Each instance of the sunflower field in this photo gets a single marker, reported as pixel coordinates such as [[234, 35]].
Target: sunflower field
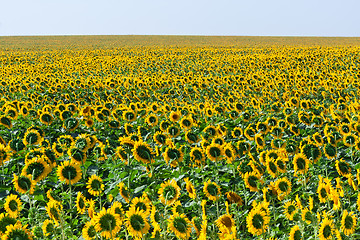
[[170, 139]]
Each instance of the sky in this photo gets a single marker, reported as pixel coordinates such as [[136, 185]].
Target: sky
[[183, 17]]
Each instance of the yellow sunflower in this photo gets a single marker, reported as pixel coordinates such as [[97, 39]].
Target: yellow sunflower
[[107, 223], [48, 227], [180, 225], [295, 233], [225, 223], [17, 231], [348, 222], [211, 190], [24, 183], [95, 185], [142, 152], [12, 205], [137, 223], [69, 172], [124, 192], [54, 209], [88, 231], [257, 221], [169, 192], [327, 229], [190, 188], [80, 203]]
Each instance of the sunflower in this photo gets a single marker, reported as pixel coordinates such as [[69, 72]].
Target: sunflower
[[272, 167], [95, 185], [32, 137], [80, 203], [54, 209], [46, 118], [169, 192], [24, 183], [233, 197], [12, 205], [251, 180], [77, 155], [190, 188], [160, 138], [225, 223], [295, 233], [152, 120], [348, 222], [301, 164], [4, 154], [173, 131], [48, 227], [88, 231], [330, 151], [70, 124], [197, 156], [349, 140], [6, 122], [283, 187], [186, 122], [249, 133], [307, 216], [37, 167], [124, 192], [142, 152], [343, 168], [117, 208], [137, 223], [17, 231], [89, 123], [107, 223], [257, 221], [155, 218], [211, 190], [311, 151], [69, 172], [191, 137], [173, 156], [260, 141], [6, 220], [323, 191], [327, 229], [290, 209], [141, 203], [180, 225], [214, 151]]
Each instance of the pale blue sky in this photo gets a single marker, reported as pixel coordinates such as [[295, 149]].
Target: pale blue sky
[[185, 17]]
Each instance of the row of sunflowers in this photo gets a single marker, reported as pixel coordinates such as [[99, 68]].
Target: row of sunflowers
[[180, 143]]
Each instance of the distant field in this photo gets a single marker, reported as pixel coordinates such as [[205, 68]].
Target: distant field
[[136, 40]]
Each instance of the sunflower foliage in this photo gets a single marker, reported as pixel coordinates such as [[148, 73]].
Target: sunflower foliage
[[204, 139]]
